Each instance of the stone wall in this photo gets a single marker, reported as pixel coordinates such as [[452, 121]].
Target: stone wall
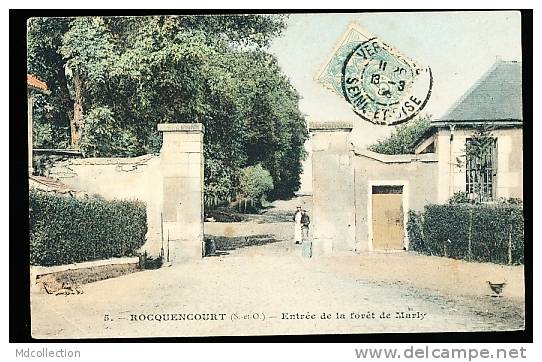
[[416, 173], [171, 185], [509, 180], [305, 187], [181, 162], [343, 176], [333, 220], [119, 178]]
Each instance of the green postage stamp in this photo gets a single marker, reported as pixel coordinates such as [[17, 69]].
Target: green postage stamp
[[382, 85]]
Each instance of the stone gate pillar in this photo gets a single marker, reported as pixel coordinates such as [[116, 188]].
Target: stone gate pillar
[[181, 159], [333, 200]]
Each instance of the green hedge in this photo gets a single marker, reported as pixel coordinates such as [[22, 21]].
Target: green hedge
[[471, 232], [66, 230]]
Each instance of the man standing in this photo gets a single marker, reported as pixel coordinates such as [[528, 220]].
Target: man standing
[[297, 225], [307, 245], [305, 221]]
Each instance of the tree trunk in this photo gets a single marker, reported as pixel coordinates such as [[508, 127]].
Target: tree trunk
[[469, 251], [510, 240], [76, 123]]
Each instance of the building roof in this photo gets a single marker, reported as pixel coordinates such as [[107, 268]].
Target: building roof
[[496, 97], [49, 184], [33, 82], [330, 126]]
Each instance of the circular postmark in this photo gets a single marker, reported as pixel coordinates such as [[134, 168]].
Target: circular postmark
[[383, 86]]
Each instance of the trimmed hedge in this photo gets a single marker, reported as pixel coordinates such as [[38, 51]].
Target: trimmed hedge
[[66, 230], [471, 232]]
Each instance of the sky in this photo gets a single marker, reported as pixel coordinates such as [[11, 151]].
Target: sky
[[460, 47]]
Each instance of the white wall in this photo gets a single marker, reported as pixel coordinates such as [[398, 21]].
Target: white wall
[[135, 178], [509, 182], [306, 177]]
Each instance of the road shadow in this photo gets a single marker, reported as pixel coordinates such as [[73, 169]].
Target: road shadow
[[267, 215], [225, 244], [279, 211]]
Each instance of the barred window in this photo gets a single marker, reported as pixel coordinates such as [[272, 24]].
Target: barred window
[[481, 174]]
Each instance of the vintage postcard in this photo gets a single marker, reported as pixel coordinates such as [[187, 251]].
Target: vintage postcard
[[275, 174]]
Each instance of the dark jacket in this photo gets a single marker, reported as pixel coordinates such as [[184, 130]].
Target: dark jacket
[[305, 220]]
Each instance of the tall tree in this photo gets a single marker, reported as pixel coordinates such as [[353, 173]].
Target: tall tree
[[52, 113], [479, 162], [89, 57], [124, 75], [403, 138]]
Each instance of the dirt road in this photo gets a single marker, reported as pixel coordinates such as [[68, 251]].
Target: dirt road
[[260, 285]]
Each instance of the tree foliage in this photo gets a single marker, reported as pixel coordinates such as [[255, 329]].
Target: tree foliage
[[480, 143], [52, 113], [403, 139], [459, 197], [477, 161], [255, 182], [484, 233], [66, 229], [113, 79]]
